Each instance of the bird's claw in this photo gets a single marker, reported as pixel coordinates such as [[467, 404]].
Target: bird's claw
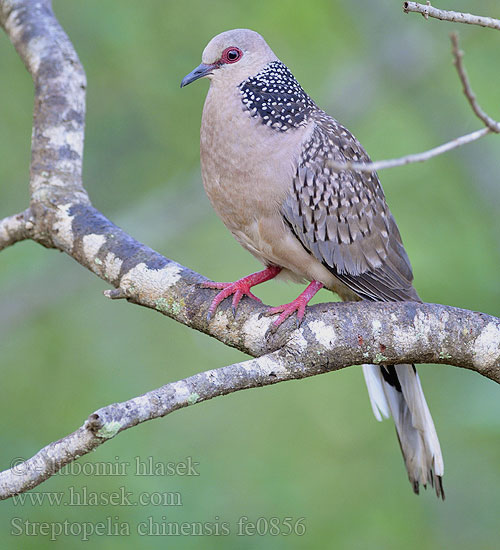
[[298, 305], [238, 289]]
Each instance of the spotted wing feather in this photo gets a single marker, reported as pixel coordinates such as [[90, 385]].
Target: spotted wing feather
[[342, 217]]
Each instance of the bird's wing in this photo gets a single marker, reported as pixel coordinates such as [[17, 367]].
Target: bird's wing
[[342, 218]]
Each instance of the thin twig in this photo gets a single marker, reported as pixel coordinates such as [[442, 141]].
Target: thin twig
[[458, 55], [410, 159], [491, 124], [452, 16]]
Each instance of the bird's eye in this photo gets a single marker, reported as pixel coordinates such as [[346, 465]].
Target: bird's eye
[[231, 55]]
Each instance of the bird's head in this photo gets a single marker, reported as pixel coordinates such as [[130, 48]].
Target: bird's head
[[232, 57]]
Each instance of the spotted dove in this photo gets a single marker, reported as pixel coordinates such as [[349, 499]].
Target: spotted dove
[[266, 152]]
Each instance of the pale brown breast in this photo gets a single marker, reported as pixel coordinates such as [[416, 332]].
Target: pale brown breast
[[247, 167]]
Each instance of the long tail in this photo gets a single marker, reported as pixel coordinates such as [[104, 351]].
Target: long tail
[[396, 391]]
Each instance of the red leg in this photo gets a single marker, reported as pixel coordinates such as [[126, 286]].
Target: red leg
[[298, 305], [240, 288]]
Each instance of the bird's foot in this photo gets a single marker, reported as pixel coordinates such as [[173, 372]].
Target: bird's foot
[[298, 305], [239, 288]]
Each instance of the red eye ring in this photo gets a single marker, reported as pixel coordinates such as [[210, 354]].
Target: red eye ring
[[231, 55]]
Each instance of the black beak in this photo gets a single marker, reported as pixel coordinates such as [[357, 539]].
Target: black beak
[[200, 71]]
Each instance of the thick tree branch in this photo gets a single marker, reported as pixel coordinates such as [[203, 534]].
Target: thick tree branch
[[452, 16], [15, 228], [108, 421], [323, 345], [61, 216], [59, 109]]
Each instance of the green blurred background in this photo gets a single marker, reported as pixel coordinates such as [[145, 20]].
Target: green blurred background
[[309, 449]]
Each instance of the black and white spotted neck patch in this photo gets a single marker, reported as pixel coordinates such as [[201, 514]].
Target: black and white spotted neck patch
[[276, 97]]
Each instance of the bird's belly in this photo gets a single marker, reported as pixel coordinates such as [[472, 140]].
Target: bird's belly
[[241, 208]]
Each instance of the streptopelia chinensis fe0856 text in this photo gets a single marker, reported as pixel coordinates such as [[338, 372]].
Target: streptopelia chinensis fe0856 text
[[266, 152]]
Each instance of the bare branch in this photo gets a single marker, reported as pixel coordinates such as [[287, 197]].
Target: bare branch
[[105, 423], [452, 16], [330, 340], [458, 55], [414, 157], [59, 110], [491, 124], [15, 228]]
